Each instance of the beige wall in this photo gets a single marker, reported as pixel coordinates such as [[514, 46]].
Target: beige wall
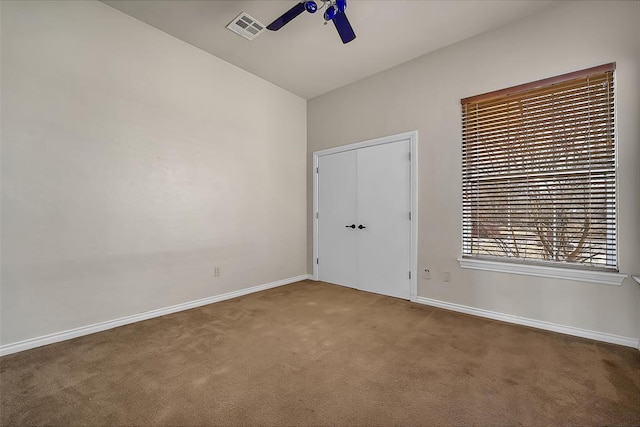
[[425, 93], [132, 164]]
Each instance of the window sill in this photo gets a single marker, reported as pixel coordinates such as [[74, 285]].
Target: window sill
[[601, 277]]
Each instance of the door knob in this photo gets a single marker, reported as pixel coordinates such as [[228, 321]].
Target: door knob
[[351, 226], [361, 226]]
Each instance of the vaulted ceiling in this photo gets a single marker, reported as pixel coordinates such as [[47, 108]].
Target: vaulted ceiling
[[307, 57]]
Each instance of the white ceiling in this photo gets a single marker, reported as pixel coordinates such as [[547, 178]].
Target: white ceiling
[[307, 57]]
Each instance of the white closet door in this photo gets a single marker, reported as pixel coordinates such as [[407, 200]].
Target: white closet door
[[337, 198], [384, 203], [369, 188]]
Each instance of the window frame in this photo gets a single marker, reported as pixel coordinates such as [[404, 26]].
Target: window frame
[[545, 268]]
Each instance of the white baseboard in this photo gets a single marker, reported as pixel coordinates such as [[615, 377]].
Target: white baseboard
[[110, 324], [548, 326]]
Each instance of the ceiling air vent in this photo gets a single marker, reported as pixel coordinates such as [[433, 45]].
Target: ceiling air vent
[[246, 26]]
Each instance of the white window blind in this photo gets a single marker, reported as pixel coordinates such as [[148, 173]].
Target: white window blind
[[539, 172]]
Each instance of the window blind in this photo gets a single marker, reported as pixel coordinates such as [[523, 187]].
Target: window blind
[[539, 171]]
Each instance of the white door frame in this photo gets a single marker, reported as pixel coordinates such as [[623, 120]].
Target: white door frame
[[413, 144]]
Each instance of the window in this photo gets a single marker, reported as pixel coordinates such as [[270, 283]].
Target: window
[[539, 173]]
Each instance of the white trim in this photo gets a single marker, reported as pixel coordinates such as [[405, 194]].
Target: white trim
[[110, 324], [592, 276], [412, 136], [316, 160], [414, 215], [518, 320]]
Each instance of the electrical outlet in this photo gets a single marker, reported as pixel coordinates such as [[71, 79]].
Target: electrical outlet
[[446, 276], [216, 271], [427, 274]]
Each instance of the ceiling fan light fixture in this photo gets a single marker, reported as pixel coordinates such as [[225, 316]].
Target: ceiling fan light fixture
[[311, 6], [330, 13]]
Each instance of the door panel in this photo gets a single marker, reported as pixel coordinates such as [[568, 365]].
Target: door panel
[[368, 187], [384, 203], [337, 245]]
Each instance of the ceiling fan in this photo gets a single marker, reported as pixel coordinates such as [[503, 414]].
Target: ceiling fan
[[334, 12]]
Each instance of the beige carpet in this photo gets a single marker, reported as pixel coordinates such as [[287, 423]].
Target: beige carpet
[[317, 354]]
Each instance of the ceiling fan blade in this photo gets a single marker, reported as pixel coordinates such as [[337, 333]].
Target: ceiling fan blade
[[344, 27], [286, 17]]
